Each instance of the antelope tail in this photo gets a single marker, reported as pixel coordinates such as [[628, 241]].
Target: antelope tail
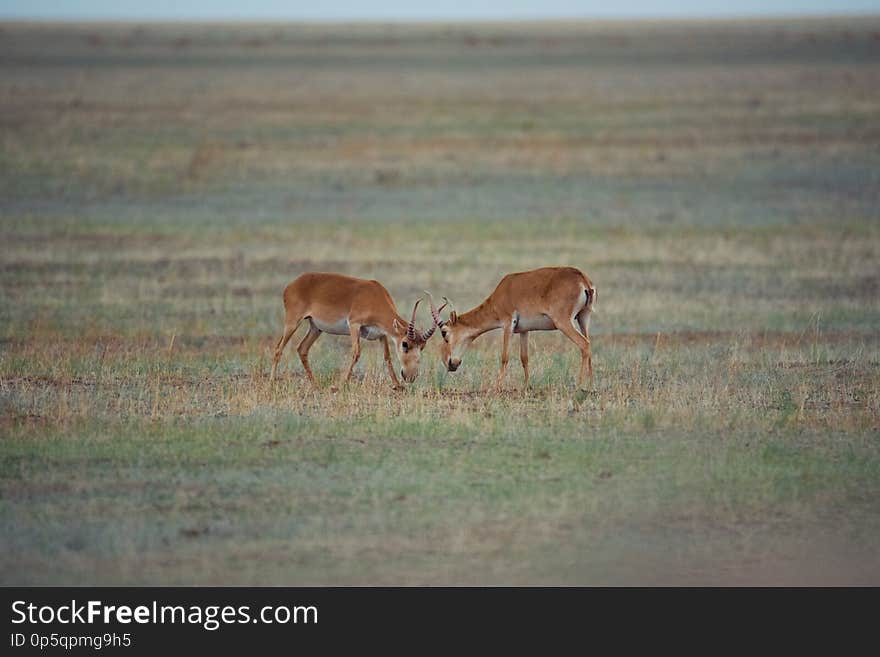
[[591, 298]]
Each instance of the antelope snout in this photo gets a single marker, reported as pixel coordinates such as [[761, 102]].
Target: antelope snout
[[452, 364], [407, 379]]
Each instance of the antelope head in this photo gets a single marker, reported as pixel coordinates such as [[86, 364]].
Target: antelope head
[[455, 341], [410, 344]]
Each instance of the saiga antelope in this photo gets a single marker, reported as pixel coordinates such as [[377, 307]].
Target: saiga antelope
[[343, 305], [546, 299]]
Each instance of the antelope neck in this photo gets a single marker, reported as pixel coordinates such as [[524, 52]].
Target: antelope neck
[[481, 319]]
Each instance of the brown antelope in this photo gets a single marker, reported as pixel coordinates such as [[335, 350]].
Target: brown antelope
[[342, 305], [546, 299]]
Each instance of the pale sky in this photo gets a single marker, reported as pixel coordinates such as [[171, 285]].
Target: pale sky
[[336, 10]]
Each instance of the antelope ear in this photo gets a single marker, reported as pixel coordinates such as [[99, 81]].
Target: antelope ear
[[453, 317], [398, 325]]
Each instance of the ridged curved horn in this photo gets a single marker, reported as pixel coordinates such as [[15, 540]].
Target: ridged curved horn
[[435, 313], [411, 329]]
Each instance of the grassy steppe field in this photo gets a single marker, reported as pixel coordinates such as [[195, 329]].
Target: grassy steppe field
[[718, 181]]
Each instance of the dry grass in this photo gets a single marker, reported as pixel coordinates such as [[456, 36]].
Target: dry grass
[[739, 381]]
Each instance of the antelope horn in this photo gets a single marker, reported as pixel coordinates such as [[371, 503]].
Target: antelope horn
[[435, 313], [411, 329]]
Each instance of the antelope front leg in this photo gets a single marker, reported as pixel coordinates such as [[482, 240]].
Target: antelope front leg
[[390, 363], [505, 344], [355, 332]]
